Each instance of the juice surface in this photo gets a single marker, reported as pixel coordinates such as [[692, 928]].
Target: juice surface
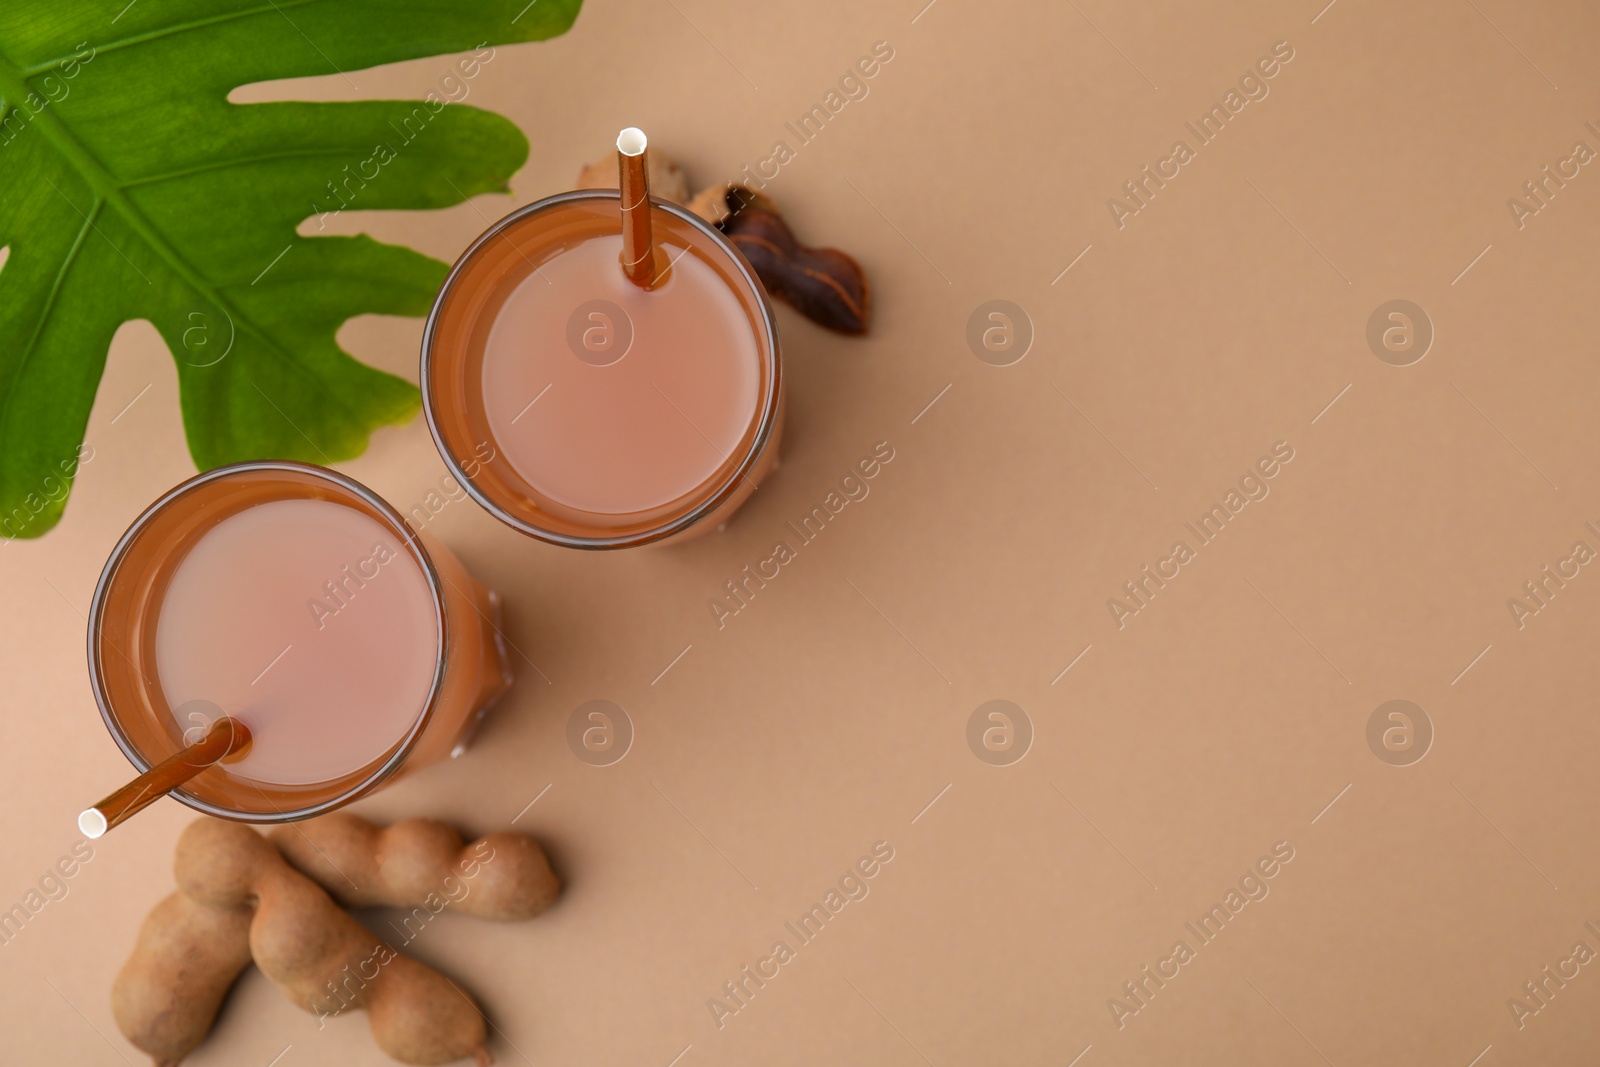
[[308, 621], [622, 437]]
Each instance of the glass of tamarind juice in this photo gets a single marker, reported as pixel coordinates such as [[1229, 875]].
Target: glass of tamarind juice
[[601, 369], [296, 601]]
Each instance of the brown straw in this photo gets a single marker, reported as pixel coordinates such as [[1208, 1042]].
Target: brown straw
[[638, 254], [226, 737]]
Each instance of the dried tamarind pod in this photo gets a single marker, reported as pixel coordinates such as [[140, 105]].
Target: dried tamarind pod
[[421, 863], [823, 284], [187, 957], [322, 958]]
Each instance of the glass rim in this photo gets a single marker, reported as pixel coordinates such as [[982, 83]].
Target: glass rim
[[390, 515], [766, 419]]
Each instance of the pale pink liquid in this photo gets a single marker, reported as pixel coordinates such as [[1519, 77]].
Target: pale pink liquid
[[324, 690], [639, 433]]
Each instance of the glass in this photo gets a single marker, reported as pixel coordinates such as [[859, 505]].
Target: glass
[[153, 631], [644, 384]]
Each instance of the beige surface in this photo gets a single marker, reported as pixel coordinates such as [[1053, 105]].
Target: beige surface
[[1222, 719]]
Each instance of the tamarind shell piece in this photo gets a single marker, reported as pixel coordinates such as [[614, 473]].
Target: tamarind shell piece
[[667, 180], [711, 204], [823, 284], [503, 876], [320, 956], [186, 959]]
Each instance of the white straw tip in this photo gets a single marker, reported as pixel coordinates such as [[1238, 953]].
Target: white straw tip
[[92, 824], [632, 141]]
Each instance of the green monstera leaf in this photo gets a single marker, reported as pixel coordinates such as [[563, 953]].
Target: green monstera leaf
[[130, 188]]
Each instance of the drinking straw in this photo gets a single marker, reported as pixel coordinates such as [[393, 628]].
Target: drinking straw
[[638, 255], [226, 737]]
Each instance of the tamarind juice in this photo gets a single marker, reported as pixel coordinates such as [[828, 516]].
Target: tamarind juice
[[332, 660], [294, 600], [585, 410]]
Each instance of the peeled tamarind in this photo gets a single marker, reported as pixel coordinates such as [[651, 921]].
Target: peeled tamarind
[[500, 876], [321, 957], [187, 957]]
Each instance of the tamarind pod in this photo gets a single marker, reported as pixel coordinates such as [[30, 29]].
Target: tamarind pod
[[823, 284], [421, 862], [322, 958], [186, 958]]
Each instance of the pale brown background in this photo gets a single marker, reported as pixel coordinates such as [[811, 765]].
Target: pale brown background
[[1223, 318]]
